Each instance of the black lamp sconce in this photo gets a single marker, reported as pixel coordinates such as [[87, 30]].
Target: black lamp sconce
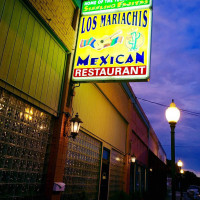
[[72, 126], [132, 159]]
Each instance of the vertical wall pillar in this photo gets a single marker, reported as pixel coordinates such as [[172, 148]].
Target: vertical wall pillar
[[127, 160], [58, 151], [58, 147], [57, 158]]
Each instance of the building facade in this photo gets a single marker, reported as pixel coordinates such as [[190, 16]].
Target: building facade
[[37, 99]]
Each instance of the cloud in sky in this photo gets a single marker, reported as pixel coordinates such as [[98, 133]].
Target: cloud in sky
[[175, 74]]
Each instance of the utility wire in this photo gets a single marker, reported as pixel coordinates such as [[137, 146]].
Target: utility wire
[[197, 114], [182, 145]]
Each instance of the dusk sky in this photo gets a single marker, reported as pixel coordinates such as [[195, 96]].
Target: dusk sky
[[175, 74]]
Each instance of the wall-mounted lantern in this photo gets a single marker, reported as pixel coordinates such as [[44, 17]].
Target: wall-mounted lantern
[[133, 159], [75, 124], [117, 159]]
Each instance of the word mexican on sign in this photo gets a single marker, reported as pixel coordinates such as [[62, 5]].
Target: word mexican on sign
[[114, 47]]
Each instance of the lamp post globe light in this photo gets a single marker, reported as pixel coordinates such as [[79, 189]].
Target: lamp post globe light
[[172, 115], [180, 163]]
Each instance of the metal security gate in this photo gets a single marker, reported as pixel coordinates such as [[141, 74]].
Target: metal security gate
[[24, 136], [82, 169]]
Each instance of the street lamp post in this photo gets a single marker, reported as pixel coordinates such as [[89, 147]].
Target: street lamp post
[[172, 115], [181, 172], [133, 171], [180, 165]]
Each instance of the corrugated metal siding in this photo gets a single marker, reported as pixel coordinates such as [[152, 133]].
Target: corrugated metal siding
[[30, 58]]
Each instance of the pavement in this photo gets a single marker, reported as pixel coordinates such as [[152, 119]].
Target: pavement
[[178, 196]]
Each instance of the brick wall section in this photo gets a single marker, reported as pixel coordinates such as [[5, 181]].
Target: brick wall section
[[57, 159], [59, 143], [59, 15]]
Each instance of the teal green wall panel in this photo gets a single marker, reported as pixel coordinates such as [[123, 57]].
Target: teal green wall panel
[[31, 60], [25, 53], [47, 70], [51, 79], [2, 4], [4, 28], [77, 3], [10, 39], [59, 78], [47, 49], [38, 60], [18, 47]]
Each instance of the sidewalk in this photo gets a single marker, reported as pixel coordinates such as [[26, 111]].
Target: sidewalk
[[178, 196]]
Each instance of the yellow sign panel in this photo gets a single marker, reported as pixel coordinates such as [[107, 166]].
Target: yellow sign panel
[[114, 47]]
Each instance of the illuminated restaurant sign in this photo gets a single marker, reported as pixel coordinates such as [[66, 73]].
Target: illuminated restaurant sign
[[114, 47], [100, 6]]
